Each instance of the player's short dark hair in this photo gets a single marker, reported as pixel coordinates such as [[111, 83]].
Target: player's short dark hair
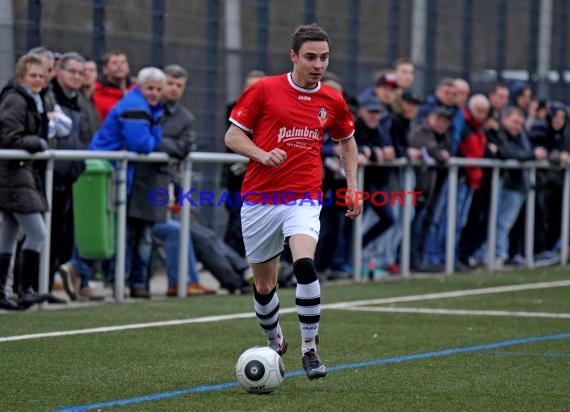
[[310, 32]]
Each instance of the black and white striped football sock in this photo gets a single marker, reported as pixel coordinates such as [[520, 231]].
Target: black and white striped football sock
[[267, 312], [308, 300]]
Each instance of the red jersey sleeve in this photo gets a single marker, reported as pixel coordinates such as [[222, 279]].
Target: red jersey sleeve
[[248, 107], [343, 124]]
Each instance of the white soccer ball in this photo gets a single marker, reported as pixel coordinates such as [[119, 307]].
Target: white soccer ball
[[260, 370]]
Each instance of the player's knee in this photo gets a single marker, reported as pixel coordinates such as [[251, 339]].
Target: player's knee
[[265, 288], [305, 272]]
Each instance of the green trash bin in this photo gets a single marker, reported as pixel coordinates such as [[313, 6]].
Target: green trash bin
[[94, 210]]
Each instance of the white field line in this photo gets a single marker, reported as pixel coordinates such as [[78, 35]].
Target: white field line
[[452, 294], [340, 305], [464, 312]]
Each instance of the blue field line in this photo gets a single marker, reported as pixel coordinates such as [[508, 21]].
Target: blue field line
[[397, 359], [540, 355]]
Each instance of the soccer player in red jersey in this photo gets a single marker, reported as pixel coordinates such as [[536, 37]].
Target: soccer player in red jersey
[[287, 115]]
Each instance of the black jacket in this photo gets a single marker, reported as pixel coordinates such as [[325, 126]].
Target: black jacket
[[67, 172], [513, 148], [430, 181], [375, 177], [21, 186]]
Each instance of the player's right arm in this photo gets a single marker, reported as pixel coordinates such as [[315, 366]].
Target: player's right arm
[[237, 140]]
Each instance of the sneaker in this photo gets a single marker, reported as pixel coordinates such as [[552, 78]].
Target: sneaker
[[89, 293], [193, 289], [71, 280], [313, 365], [139, 293], [281, 349], [278, 344], [199, 289]]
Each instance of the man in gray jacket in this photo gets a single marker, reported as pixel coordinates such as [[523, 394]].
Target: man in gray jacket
[[178, 139]]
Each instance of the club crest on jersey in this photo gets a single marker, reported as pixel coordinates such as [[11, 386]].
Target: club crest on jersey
[[322, 116]]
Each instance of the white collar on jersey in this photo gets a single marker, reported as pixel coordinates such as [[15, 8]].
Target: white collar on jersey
[[302, 89]]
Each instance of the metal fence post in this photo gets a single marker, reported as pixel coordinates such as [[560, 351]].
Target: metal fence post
[[451, 219], [156, 46], [184, 229], [121, 230], [262, 34], [544, 46], [43, 281], [210, 102], [501, 37], [418, 43], [351, 66], [393, 29], [407, 223], [466, 34], [565, 217], [492, 222], [98, 40], [562, 12], [7, 44], [233, 44], [357, 233], [529, 220], [34, 24], [310, 11]]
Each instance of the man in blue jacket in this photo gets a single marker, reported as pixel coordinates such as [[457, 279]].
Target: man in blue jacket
[[134, 124]]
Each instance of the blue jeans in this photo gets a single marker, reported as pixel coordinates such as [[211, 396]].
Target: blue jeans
[[433, 253], [137, 253], [509, 207], [83, 267], [463, 205], [416, 235], [169, 233]]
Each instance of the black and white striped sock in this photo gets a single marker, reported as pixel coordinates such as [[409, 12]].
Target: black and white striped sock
[[308, 301], [267, 312]]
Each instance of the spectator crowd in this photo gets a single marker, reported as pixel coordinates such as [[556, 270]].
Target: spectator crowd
[[64, 101]]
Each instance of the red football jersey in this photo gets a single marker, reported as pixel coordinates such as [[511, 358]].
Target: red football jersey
[[281, 114]]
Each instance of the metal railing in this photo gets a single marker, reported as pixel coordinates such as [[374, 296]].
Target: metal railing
[[122, 158], [454, 164]]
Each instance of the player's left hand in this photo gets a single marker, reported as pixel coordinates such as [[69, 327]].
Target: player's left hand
[[355, 204]]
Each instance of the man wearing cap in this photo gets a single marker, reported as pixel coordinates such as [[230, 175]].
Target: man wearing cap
[[399, 132], [369, 140], [384, 88]]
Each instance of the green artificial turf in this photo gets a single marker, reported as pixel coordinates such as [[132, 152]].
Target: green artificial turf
[[53, 372]]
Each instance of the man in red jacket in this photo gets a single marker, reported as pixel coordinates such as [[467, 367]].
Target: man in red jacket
[[113, 84], [473, 145]]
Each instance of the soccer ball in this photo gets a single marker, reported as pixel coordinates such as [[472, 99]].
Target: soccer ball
[[260, 370]]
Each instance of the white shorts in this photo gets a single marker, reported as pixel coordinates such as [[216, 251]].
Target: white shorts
[[265, 227]]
